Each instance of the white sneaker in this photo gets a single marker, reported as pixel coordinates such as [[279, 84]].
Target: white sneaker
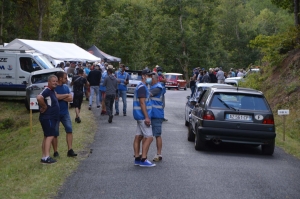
[[157, 158]]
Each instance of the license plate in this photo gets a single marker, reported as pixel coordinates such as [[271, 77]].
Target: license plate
[[238, 117]]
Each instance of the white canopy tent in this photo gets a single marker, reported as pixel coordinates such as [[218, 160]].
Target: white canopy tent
[[53, 50]]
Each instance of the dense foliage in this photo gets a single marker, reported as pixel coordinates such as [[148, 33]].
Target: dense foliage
[[176, 34]]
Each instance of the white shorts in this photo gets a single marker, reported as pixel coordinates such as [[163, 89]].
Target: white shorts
[[143, 130]]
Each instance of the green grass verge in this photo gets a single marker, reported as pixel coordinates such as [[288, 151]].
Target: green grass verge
[[21, 173]]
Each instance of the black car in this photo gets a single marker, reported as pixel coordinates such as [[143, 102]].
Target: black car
[[191, 100], [233, 115]]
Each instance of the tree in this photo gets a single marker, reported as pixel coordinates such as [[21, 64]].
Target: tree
[[291, 5]]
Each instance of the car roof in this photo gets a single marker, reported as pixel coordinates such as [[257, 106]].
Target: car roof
[[173, 74], [236, 89], [46, 71], [212, 84]]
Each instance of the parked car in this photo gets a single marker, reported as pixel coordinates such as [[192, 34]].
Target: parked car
[[135, 77], [233, 115], [175, 80], [192, 100], [234, 81], [37, 81]]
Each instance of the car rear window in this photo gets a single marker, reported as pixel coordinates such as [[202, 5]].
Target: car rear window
[[41, 78], [135, 76], [171, 77], [239, 101]]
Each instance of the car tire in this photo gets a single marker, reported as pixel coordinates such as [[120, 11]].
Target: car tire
[[26, 104], [200, 142], [169, 88], [268, 149], [190, 135]]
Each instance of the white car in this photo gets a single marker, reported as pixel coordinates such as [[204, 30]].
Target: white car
[[135, 77]]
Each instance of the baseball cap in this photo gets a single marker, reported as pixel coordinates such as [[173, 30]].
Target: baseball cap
[[147, 72]]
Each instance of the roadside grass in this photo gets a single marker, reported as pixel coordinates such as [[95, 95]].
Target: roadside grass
[[281, 95], [21, 173]]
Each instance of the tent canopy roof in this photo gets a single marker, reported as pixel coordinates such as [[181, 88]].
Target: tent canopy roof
[[98, 53], [54, 50]]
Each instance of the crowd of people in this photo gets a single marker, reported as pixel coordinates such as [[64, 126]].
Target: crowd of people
[[213, 75], [108, 86]]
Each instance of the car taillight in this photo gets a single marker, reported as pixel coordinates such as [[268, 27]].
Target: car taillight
[[208, 115], [269, 119]]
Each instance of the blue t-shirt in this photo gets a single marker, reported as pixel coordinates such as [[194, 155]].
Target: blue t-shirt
[[52, 111], [63, 105]]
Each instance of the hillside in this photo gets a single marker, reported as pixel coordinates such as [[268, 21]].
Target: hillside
[[281, 87]]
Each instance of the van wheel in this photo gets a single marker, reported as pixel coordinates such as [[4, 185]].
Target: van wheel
[[190, 135], [268, 149], [26, 104], [200, 142]]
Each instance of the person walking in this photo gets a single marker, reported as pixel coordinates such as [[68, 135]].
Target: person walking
[[102, 88], [157, 115], [142, 114], [94, 79], [64, 96], [49, 112], [123, 80], [78, 83], [205, 78], [111, 84]]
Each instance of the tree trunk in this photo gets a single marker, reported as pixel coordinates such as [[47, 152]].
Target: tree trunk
[[296, 12], [41, 11]]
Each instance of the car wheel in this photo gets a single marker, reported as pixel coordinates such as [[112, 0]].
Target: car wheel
[[191, 135], [26, 104], [178, 87], [200, 142], [268, 149], [169, 88]]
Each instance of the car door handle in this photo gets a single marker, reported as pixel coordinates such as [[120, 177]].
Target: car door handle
[[21, 77], [8, 76]]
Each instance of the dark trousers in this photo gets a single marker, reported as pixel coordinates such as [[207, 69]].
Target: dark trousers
[[109, 102]]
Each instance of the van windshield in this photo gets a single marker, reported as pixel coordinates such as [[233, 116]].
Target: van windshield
[[43, 62]]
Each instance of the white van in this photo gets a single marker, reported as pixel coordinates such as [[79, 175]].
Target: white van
[[15, 69]]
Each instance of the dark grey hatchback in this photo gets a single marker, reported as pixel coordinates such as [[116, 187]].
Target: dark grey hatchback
[[234, 115]]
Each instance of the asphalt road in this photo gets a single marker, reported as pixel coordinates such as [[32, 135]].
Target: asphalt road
[[228, 171]]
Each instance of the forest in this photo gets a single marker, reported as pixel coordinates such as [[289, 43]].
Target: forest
[[178, 35]]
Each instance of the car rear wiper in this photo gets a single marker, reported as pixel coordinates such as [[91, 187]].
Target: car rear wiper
[[225, 104]]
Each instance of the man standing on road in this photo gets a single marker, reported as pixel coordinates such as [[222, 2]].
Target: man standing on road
[[78, 83], [49, 112], [64, 96], [220, 76], [123, 80], [111, 84], [142, 114], [157, 115], [94, 79], [162, 80]]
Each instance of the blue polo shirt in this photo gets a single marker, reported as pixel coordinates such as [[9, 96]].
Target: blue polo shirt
[[52, 111], [63, 105], [122, 77]]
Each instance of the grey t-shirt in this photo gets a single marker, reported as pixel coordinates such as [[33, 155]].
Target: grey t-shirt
[[111, 85]]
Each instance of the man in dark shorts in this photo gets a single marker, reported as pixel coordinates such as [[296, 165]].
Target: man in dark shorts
[[78, 82], [142, 108], [111, 84], [157, 115], [64, 96], [49, 112]]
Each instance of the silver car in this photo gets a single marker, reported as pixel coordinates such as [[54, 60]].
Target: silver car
[[135, 77], [38, 80]]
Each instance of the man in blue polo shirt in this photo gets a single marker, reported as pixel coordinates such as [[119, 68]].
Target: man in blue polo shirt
[[49, 112], [64, 96], [123, 80]]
